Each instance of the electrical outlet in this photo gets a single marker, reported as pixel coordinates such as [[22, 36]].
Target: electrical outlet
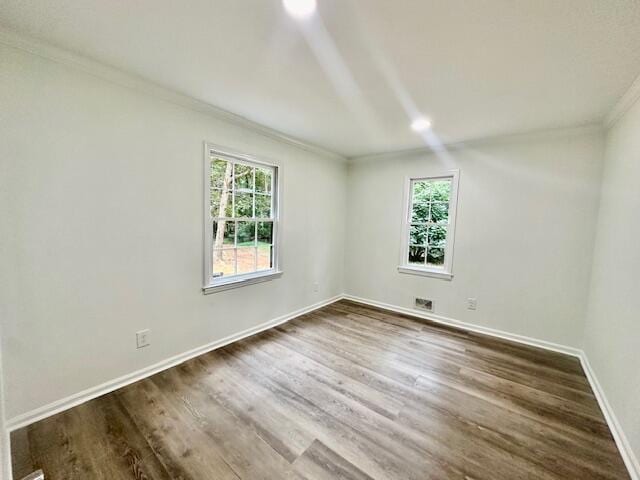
[[316, 286], [142, 338], [424, 304], [472, 303]]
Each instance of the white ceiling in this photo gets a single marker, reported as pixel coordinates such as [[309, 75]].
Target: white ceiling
[[350, 79]]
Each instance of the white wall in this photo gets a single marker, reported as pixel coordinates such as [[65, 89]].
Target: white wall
[[612, 339], [526, 220], [102, 230]]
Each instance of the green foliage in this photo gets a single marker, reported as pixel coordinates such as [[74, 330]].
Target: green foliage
[[216, 197], [265, 232], [435, 256], [416, 254], [218, 170], [263, 206], [420, 212], [430, 201], [244, 184], [441, 191], [431, 191], [263, 181], [433, 235], [437, 236], [439, 212], [229, 232], [244, 205], [243, 177], [246, 233], [429, 217], [418, 235]]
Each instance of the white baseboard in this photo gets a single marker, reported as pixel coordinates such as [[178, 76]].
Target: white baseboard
[[99, 390], [534, 342], [627, 454]]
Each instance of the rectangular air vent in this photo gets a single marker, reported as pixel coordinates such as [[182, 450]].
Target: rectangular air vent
[[424, 304]]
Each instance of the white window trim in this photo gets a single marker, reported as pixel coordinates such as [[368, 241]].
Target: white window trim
[[211, 284], [446, 272]]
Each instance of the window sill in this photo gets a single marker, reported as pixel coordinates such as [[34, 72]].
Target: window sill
[[426, 272], [237, 282]]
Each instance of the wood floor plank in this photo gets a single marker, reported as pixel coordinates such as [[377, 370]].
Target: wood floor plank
[[351, 444], [535, 435], [567, 373], [22, 460], [452, 416], [347, 392], [371, 398], [269, 417], [248, 455], [420, 452], [319, 462], [94, 440], [177, 441]]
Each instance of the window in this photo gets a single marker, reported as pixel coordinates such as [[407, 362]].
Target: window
[[429, 224], [241, 220]]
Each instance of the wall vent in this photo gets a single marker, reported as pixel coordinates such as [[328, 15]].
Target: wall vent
[[424, 304]]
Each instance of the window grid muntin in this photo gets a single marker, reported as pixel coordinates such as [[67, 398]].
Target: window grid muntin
[[270, 192], [426, 246]]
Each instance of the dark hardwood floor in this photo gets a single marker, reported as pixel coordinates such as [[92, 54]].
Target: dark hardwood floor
[[346, 392]]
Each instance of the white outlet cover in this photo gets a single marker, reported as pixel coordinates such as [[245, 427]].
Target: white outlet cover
[[472, 303], [142, 338]]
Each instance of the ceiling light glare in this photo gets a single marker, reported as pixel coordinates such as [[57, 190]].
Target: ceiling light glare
[[421, 124], [300, 9]]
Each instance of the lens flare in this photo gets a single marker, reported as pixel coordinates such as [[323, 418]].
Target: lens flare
[[300, 8], [421, 124]]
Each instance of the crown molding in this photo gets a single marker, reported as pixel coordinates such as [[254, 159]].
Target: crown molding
[[140, 84], [533, 135], [631, 96]]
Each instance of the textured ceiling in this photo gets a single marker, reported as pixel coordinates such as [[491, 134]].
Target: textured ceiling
[[350, 79]]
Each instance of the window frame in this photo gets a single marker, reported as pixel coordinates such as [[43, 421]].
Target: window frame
[[446, 271], [213, 284]]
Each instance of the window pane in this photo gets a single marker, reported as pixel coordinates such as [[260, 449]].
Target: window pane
[[246, 233], [221, 173], [441, 190], [240, 193], [264, 180], [246, 260], [221, 205], [421, 192], [263, 206], [420, 213], [435, 257], [440, 212], [243, 176], [418, 235], [224, 262], [265, 256], [265, 233], [416, 255], [215, 202], [223, 234], [437, 236], [244, 205]]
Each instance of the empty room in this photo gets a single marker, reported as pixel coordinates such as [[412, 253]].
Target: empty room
[[319, 240]]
